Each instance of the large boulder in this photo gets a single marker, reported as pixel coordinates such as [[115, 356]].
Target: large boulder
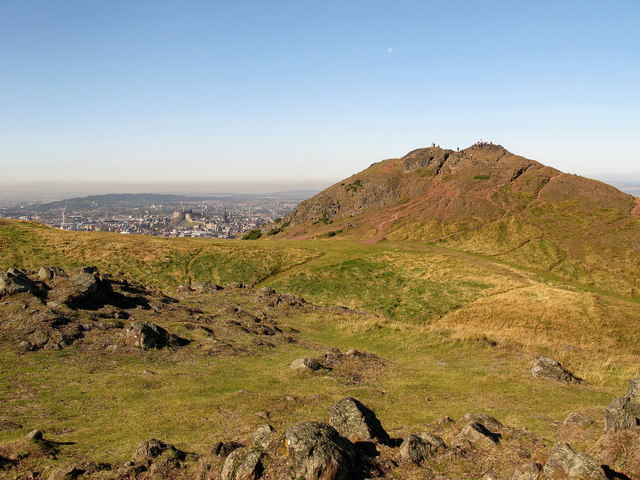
[[565, 462], [243, 464], [14, 281], [316, 451], [148, 335], [357, 422], [418, 448], [550, 369], [475, 435], [624, 412]]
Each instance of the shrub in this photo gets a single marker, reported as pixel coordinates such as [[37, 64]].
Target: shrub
[[252, 235]]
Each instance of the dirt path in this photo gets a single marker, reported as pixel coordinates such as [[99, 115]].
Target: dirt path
[[381, 229]]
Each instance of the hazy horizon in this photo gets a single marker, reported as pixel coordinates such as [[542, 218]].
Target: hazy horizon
[[52, 191]]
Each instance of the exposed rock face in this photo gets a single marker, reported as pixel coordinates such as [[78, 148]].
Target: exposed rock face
[[565, 462], [547, 367], [14, 281], [306, 363], [148, 335], [262, 436], [475, 435], [418, 448], [624, 412], [357, 422], [316, 451], [527, 471], [243, 464]]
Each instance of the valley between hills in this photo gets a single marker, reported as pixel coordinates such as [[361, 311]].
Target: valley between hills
[[425, 288]]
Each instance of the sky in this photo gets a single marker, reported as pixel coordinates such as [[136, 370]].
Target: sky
[[275, 95]]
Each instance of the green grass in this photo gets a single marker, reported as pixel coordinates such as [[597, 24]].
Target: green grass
[[107, 405]]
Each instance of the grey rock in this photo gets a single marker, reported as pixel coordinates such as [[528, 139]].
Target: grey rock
[[474, 435], [223, 449], [13, 282], [243, 464], [565, 462], [34, 435], [85, 283], [316, 451], [49, 273], [527, 471], [262, 436], [616, 419], [151, 449], [577, 419], [548, 368], [357, 422], [633, 392], [148, 335], [624, 412], [306, 363], [418, 448], [487, 421]]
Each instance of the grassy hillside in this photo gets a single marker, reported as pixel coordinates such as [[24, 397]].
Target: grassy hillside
[[457, 332], [489, 201], [158, 261]]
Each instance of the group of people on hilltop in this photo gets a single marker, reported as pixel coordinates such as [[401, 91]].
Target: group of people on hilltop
[[479, 143]]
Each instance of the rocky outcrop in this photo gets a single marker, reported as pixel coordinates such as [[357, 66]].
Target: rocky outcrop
[[316, 451], [357, 422], [565, 462], [550, 369], [418, 448]]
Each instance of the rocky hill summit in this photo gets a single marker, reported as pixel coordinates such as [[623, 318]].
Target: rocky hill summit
[[486, 200]]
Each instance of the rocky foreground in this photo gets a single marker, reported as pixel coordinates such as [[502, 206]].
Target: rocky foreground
[[90, 311], [353, 444]]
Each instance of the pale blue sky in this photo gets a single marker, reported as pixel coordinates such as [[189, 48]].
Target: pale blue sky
[[303, 92]]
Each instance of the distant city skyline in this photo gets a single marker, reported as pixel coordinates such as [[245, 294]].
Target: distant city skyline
[[285, 95]]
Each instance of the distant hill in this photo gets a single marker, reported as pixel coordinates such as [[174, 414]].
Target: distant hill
[[489, 201], [146, 199]]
